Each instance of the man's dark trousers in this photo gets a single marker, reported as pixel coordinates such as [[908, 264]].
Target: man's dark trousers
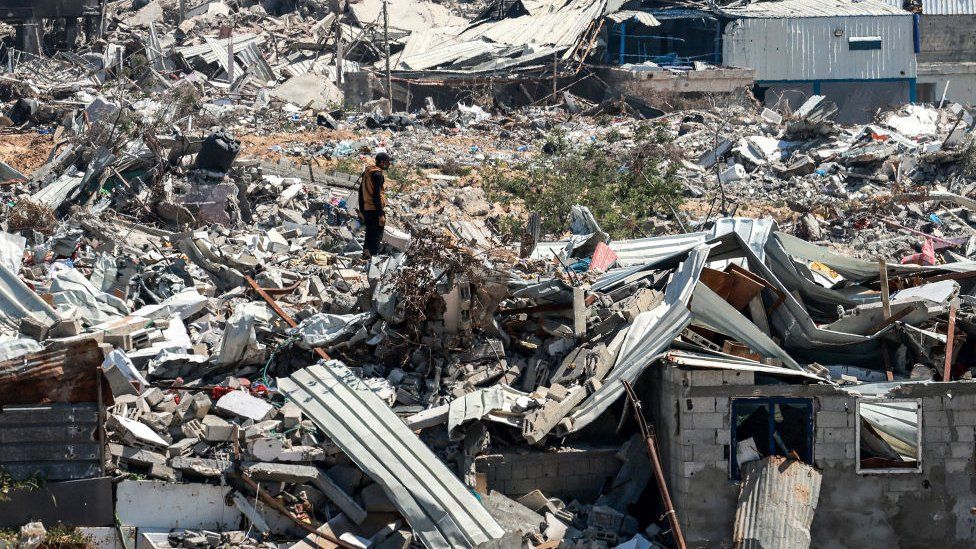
[[374, 231]]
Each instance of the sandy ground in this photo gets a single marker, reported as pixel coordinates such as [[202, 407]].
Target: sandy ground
[[25, 152]]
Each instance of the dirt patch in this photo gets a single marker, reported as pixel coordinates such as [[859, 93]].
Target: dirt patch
[[25, 152]]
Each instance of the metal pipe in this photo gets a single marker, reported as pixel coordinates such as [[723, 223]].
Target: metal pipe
[[279, 311], [652, 453]]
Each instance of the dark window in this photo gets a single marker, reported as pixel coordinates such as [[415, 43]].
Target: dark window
[[764, 427], [864, 43]]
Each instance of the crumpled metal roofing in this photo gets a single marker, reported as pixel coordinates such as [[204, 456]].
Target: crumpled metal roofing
[[641, 17], [812, 8], [441, 511], [640, 251], [651, 332], [710, 309]]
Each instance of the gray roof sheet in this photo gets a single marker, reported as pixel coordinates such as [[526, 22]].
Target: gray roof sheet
[[814, 8], [442, 512]]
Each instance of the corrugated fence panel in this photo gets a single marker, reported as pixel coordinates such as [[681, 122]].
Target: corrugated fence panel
[[793, 49], [776, 505], [55, 441]]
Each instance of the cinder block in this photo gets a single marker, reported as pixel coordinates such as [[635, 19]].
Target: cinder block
[[936, 450], [953, 466], [722, 404], [831, 451], [697, 436], [699, 405], [964, 433], [902, 483], [723, 436], [960, 402], [708, 452], [833, 419], [932, 404], [835, 434], [734, 377], [935, 434], [935, 418], [836, 403], [691, 468], [963, 450], [683, 452], [714, 420], [963, 417], [706, 378]]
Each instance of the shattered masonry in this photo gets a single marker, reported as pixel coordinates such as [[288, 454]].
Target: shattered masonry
[[778, 351]]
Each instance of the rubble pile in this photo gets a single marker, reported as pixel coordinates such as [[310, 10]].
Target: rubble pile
[[217, 307], [869, 190]]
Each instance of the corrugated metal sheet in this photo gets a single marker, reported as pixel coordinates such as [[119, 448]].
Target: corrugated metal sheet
[[55, 441], [716, 313], [814, 8], [649, 334], [776, 505], [791, 49], [754, 232], [647, 250], [728, 362], [441, 510], [942, 7], [17, 300]]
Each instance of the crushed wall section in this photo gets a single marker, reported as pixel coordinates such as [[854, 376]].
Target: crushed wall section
[[931, 508]]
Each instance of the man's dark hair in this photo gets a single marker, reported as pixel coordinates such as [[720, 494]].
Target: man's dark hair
[[383, 157]]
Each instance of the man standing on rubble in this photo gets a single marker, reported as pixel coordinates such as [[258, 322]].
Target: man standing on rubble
[[372, 204]]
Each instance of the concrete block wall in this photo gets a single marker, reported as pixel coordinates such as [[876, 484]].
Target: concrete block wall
[[947, 38], [855, 510], [579, 473]]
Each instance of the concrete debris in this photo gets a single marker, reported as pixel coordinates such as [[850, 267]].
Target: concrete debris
[[278, 295]]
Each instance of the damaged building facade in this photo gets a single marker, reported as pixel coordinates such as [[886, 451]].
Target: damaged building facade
[[750, 325], [859, 55]]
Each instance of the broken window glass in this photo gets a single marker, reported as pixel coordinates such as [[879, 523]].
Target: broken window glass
[[888, 437], [764, 427]]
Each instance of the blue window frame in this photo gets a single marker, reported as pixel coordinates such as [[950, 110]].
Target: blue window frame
[[777, 427]]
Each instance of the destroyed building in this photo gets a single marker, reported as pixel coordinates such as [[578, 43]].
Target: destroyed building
[[860, 55], [771, 343], [946, 50]]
